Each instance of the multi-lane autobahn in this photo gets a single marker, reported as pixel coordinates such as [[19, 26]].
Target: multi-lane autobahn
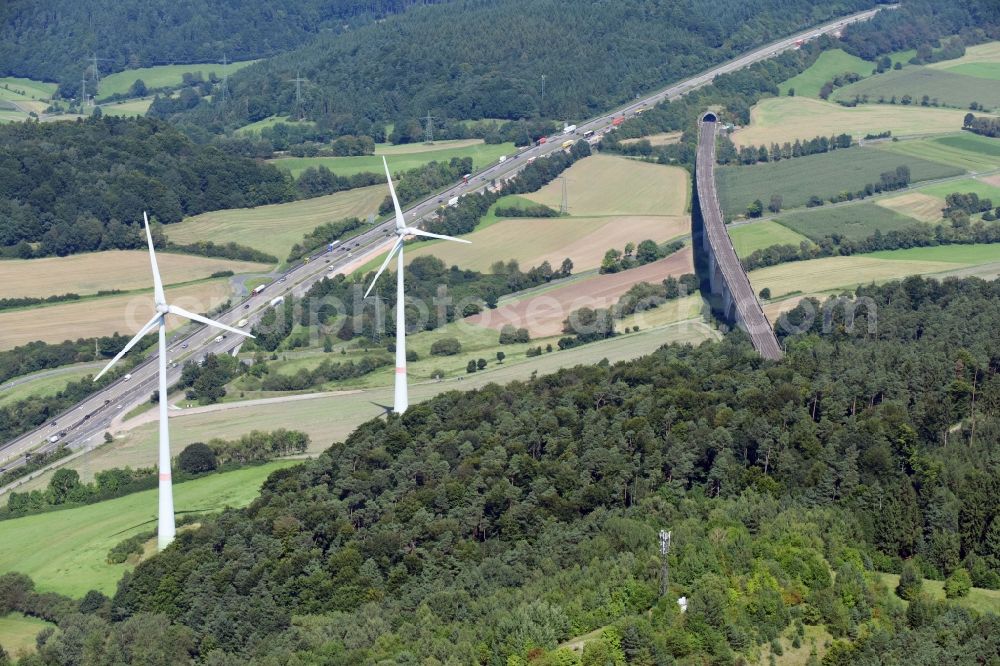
[[83, 424]]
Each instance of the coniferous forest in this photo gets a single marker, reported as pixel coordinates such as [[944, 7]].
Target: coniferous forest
[[489, 526], [590, 57]]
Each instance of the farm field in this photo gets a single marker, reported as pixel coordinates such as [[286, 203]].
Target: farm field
[[162, 76], [481, 154], [9, 116], [982, 188], [277, 227], [983, 253], [981, 60], [979, 599], [856, 221], [132, 107], [543, 311], [949, 87], [780, 119], [612, 201], [105, 315], [823, 175], [17, 88], [919, 206], [968, 151], [582, 239], [330, 417], [271, 121], [45, 383], [389, 149], [610, 185], [91, 272], [835, 273], [758, 235], [17, 633], [828, 65], [661, 139], [76, 541]]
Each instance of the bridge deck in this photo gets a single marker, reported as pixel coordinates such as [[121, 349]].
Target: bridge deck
[[748, 311]]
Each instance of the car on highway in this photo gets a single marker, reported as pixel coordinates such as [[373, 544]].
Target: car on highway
[[125, 378], [246, 307], [185, 345], [283, 279], [53, 439]]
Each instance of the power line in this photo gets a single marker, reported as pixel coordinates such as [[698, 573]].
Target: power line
[[429, 128], [564, 207], [298, 81], [225, 78], [664, 566]]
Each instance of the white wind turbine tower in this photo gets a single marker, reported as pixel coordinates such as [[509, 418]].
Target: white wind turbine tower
[[402, 231], [166, 529]]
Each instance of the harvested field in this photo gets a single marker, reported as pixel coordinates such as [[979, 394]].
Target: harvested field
[[833, 273], [661, 139], [544, 311], [582, 239], [609, 185], [917, 205], [277, 227], [981, 60], [125, 270], [106, 315], [781, 119]]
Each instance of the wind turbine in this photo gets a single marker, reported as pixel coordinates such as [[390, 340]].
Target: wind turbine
[[401, 401], [166, 529]]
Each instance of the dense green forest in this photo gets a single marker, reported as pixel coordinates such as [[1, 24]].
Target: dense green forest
[[52, 40], [82, 186], [510, 59], [920, 24], [487, 526]]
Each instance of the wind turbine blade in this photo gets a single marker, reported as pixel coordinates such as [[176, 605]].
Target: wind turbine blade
[[152, 323], [157, 284], [388, 258], [413, 231], [181, 312], [400, 222]]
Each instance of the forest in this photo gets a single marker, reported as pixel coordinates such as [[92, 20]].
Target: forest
[[83, 186], [920, 24], [53, 40], [509, 60], [487, 526]]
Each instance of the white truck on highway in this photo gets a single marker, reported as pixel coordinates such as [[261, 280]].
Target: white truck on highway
[[242, 322], [259, 288], [277, 301], [569, 129], [453, 202]]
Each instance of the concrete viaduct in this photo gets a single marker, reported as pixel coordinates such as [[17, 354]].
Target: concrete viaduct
[[726, 276]]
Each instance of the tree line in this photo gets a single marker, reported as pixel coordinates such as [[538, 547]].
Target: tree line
[[727, 153]]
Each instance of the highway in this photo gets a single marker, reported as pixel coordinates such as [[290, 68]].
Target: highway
[[718, 243], [85, 423]]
